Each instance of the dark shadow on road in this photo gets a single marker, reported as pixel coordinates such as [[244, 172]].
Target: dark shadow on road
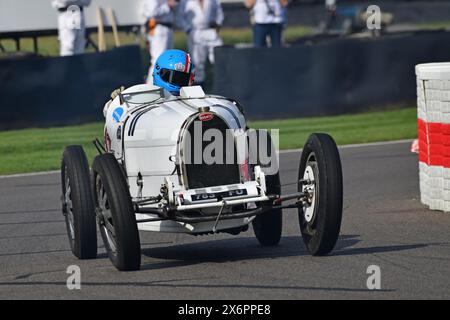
[[236, 249], [231, 250], [31, 211], [346, 241], [379, 249], [32, 252], [225, 250], [170, 284], [247, 249], [31, 222], [50, 235]]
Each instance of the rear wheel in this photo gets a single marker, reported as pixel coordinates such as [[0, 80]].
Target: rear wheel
[[78, 205], [115, 213], [320, 175], [268, 225]]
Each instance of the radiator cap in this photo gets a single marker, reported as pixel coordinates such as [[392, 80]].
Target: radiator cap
[[204, 109]]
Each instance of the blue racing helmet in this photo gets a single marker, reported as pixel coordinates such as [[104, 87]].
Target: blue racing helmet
[[173, 70]]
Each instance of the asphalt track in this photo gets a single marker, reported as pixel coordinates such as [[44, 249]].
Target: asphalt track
[[384, 224]]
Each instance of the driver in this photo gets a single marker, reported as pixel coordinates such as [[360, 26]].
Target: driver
[[173, 70]]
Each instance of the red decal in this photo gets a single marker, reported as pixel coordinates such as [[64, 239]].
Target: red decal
[[206, 116], [187, 64], [244, 168]]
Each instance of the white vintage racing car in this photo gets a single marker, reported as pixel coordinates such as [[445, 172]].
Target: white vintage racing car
[[178, 164]]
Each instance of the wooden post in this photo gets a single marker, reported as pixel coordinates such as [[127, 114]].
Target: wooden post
[[35, 45], [113, 21], [101, 30]]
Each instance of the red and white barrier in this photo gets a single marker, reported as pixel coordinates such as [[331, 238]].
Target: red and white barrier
[[433, 110]]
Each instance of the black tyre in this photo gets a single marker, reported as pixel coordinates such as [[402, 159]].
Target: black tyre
[[78, 204], [115, 214], [321, 214], [268, 225]]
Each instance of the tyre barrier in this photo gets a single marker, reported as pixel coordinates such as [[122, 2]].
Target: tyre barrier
[[433, 108]]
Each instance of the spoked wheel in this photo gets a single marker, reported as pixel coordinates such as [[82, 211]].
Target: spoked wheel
[[268, 225], [320, 177], [106, 223], [115, 214], [78, 206]]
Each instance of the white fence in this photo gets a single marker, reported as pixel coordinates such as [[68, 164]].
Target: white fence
[[36, 15]]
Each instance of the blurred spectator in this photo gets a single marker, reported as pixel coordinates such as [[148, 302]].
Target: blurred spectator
[[268, 18], [159, 18], [330, 5], [330, 15], [71, 26], [201, 20]]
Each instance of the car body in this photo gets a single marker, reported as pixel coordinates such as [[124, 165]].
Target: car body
[[137, 130], [190, 164]]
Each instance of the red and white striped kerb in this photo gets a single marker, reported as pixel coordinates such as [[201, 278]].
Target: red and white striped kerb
[[433, 110]]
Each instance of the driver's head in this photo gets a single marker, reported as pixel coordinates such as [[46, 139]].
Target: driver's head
[[173, 70]]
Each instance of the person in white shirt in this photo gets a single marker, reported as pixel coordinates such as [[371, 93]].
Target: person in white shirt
[[159, 19], [201, 20], [330, 5], [71, 26], [269, 19]]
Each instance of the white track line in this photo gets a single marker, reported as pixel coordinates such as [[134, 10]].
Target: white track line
[[358, 145], [34, 174], [349, 146]]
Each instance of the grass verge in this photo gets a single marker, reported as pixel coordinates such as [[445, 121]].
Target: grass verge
[[49, 46], [32, 150]]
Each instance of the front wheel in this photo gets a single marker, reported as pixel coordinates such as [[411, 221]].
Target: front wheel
[[320, 177], [78, 207], [115, 214]]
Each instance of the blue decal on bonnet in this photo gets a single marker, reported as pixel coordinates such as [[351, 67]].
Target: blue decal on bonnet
[[117, 114]]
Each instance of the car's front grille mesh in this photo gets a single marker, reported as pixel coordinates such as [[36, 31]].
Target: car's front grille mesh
[[201, 175]]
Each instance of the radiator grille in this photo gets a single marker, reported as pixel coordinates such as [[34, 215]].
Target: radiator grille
[[203, 175]]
